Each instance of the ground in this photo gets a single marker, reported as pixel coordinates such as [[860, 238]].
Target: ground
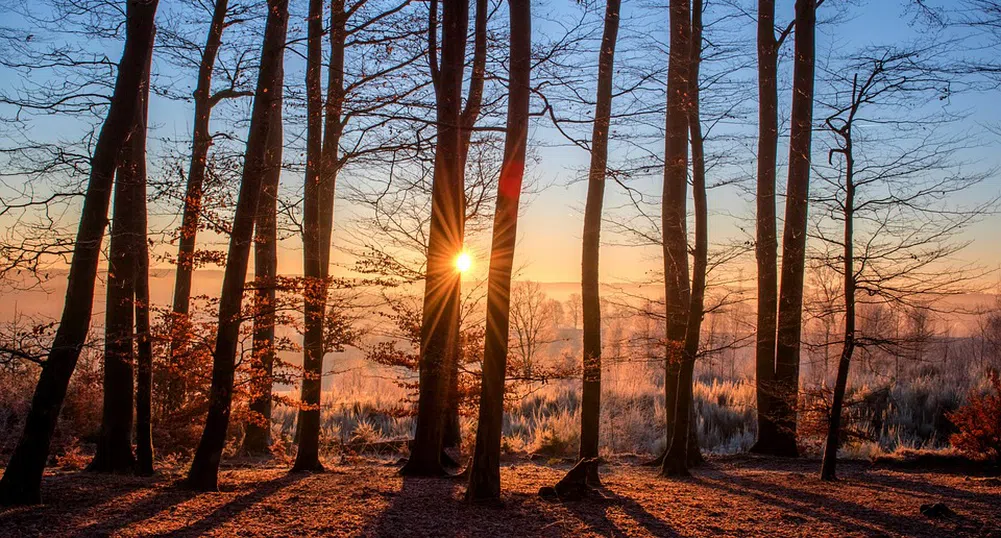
[[741, 496]]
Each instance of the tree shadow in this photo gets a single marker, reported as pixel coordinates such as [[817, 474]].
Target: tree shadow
[[846, 516], [237, 506], [594, 513]]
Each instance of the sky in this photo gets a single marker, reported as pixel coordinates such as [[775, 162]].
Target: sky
[[550, 227]]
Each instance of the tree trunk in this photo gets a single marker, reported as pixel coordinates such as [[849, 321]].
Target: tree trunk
[[684, 446], [441, 288], [828, 469], [674, 216], [201, 141], [794, 236], [21, 483], [766, 244], [144, 345], [257, 439], [467, 121], [315, 285], [203, 474], [484, 475], [114, 445], [591, 302]]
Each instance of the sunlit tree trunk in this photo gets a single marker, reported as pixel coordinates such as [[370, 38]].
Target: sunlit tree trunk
[[790, 313], [315, 287], [21, 483], [683, 449], [674, 213], [484, 476], [203, 474], [467, 121], [766, 244], [201, 141], [441, 292], [590, 300], [257, 439]]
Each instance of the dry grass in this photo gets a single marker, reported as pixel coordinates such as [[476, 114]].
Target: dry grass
[[737, 496]]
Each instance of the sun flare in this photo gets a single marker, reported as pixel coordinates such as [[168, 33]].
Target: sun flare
[[463, 262]]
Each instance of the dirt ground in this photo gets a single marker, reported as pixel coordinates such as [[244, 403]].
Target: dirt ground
[[742, 496]]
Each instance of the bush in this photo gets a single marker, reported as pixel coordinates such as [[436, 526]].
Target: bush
[[979, 423]]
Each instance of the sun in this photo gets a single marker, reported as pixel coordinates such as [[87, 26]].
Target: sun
[[463, 262]]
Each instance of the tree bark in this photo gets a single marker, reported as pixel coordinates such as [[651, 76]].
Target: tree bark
[[441, 291], [674, 227], [590, 300], [766, 244], [201, 141], [794, 235], [684, 447], [144, 345], [21, 483], [484, 475], [467, 121], [203, 474], [315, 285], [257, 439]]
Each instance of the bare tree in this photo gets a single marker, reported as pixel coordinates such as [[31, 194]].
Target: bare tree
[[894, 202], [484, 473], [790, 307], [441, 291], [674, 227], [21, 483], [203, 474], [591, 303]]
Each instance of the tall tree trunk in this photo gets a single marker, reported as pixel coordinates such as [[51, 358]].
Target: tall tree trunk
[[21, 483], [684, 449], [590, 418], [674, 228], [766, 244], [201, 141], [484, 475], [794, 235], [441, 288], [315, 285], [114, 445], [136, 161], [203, 474], [828, 469], [257, 439], [467, 121]]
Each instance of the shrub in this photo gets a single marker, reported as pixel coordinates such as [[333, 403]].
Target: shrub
[[979, 423]]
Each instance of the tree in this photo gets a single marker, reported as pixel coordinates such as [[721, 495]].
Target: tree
[[683, 447], [21, 483], [441, 288], [203, 474], [590, 300], [314, 287], [471, 112], [484, 473], [257, 438], [128, 237], [790, 307], [889, 221], [674, 214], [204, 100]]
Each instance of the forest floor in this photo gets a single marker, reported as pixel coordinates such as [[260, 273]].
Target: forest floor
[[734, 496]]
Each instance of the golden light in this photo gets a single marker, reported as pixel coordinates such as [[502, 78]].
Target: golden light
[[463, 262]]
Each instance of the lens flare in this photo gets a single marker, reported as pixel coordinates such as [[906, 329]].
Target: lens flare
[[463, 262]]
